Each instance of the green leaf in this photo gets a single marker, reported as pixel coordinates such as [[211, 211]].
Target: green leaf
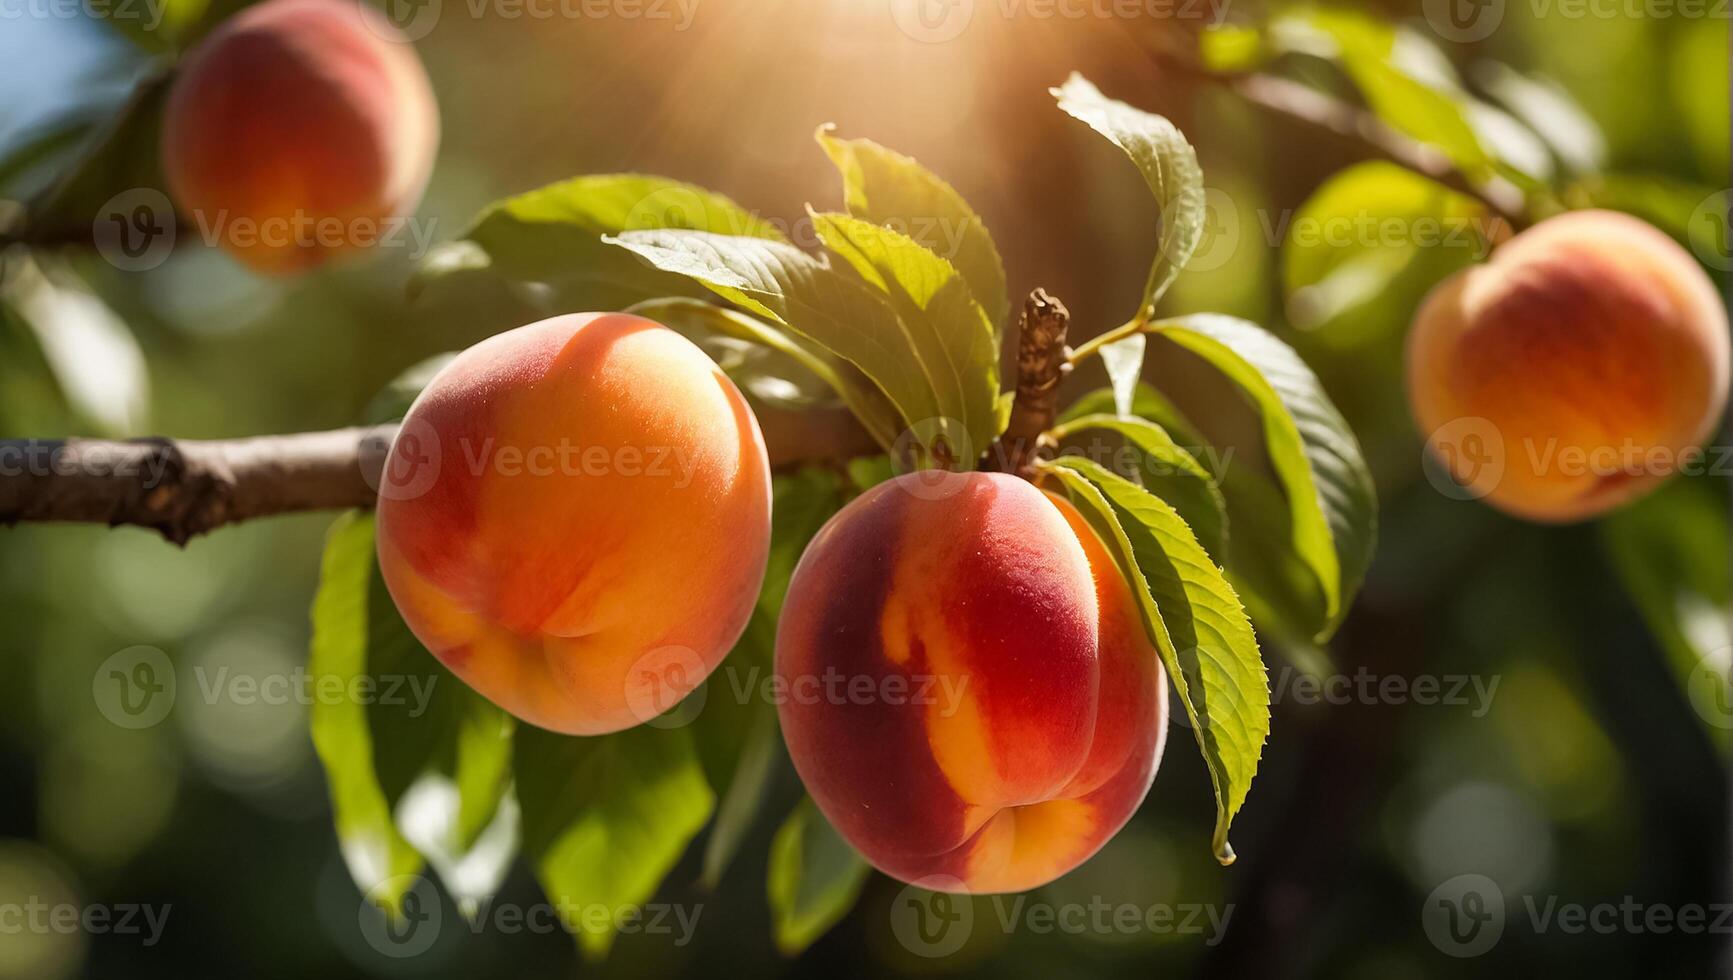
[[442, 756], [772, 366], [1169, 472], [1406, 81], [1147, 403], [93, 362], [1338, 262], [1228, 48], [887, 188], [378, 857], [947, 327], [738, 738], [815, 877], [815, 301], [1196, 623], [1123, 360], [606, 818], [1316, 459], [121, 155], [1169, 165], [1669, 550], [553, 236], [1548, 108], [409, 742]]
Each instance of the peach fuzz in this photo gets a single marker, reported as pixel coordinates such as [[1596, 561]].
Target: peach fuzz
[[575, 518], [299, 129], [972, 700], [1574, 371]]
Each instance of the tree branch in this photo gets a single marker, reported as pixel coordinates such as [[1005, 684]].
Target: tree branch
[[1376, 139], [1041, 364], [1370, 135], [182, 488]]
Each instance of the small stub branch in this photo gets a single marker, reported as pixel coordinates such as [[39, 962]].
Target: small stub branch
[[1041, 366]]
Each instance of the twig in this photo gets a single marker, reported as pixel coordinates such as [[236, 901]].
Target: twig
[[1376, 139], [182, 488], [1041, 364], [1371, 136]]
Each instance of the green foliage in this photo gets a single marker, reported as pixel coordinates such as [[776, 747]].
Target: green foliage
[[1339, 262], [1170, 472], [949, 328], [379, 858], [815, 877], [1195, 621], [605, 818], [1669, 551], [892, 190], [827, 307], [552, 236], [1169, 166], [1316, 459]]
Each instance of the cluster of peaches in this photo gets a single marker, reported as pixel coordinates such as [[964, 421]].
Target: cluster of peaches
[[577, 594]]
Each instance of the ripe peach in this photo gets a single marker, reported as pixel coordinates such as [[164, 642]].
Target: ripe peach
[[1575, 370], [967, 690], [299, 129], [575, 518]]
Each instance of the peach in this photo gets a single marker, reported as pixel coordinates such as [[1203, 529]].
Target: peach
[[966, 688], [1576, 370], [575, 518], [297, 130]]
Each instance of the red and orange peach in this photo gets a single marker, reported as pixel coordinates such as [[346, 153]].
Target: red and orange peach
[[299, 129], [575, 518], [971, 698], [1576, 370]]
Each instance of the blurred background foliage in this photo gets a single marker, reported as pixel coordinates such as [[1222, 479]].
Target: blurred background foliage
[[1595, 773]]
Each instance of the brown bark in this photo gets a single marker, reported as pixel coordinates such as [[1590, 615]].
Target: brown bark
[[1041, 366]]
